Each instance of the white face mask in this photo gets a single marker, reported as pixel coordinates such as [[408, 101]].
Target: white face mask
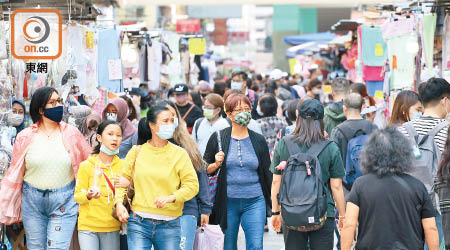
[[172, 99], [317, 91], [111, 117], [15, 119]]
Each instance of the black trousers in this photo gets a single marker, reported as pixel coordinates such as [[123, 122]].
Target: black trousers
[[321, 239]]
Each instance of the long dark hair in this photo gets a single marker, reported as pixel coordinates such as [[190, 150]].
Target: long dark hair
[[100, 130], [309, 131], [403, 101], [39, 101], [144, 131], [444, 165]]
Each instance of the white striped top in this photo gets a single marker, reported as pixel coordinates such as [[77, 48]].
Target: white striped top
[[424, 124]]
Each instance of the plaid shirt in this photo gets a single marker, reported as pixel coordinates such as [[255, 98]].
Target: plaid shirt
[[270, 127]]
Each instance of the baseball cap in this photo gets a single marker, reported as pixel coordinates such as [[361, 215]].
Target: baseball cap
[[180, 88], [311, 109], [276, 74]]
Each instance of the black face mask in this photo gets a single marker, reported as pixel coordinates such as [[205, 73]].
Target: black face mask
[[203, 95]]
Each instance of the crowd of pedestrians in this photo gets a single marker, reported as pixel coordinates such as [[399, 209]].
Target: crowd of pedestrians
[[251, 152]]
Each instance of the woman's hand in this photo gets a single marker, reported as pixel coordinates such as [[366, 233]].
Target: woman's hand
[[93, 194], [220, 156], [121, 182], [160, 202], [122, 212], [276, 223], [204, 220]]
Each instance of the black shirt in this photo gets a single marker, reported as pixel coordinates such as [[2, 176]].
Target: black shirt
[[390, 211], [195, 113]]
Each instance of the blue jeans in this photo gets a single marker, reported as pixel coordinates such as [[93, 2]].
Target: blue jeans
[[188, 227], [49, 217], [99, 241], [145, 233], [439, 227], [251, 213]]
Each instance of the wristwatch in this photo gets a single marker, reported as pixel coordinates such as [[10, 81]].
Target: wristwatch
[[276, 213]]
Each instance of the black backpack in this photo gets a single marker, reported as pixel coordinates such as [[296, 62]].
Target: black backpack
[[302, 197]]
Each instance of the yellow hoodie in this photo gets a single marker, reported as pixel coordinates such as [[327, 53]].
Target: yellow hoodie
[[95, 214], [160, 172]]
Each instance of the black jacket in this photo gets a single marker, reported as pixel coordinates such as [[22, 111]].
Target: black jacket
[[219, 214]]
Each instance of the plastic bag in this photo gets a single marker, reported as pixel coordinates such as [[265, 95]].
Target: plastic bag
[[209, 237]]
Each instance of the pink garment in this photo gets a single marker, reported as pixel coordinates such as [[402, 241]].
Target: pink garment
[[372, 73], [397, 28], [11, 185], [122, 116]]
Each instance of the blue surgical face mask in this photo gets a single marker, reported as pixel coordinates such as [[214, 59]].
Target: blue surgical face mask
[[55, 114], [175, 122], [105, 150], [166, 131], [320, 78], [236, 85], [416, 115]]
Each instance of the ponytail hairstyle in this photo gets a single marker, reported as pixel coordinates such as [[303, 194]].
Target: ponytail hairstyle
[[100, 130], [182, 137], [144, 131]]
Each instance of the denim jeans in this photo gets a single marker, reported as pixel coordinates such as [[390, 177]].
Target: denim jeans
[[145, 233], [251, 213], [99, 241], [439, 227], [49, 217], [188, 226]]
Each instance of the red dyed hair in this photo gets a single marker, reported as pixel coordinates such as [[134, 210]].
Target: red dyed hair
[[233, 100]]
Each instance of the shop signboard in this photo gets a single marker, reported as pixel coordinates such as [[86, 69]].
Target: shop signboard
[[188, 26]]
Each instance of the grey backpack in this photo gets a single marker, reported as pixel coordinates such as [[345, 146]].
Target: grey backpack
[[426, 156], [302, 195]]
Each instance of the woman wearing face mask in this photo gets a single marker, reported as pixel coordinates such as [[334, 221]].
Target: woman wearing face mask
[[243, 192], [200, 206], [314, 88], [94, 191], [407, 107], [17, 116], [38, 188], [164, 179], [212, 122], [117, 110]]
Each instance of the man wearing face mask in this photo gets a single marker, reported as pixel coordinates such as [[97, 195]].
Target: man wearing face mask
[[17, 116], [334, 112], [212, 122], [284, 91], [188, 111], [239, 82], [435, 96]]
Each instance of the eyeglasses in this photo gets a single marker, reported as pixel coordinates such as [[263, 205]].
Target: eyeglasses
[[54, 102], [242, 110]]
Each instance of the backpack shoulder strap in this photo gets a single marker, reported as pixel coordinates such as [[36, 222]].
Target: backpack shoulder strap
[[292, 146], [318, 147], [438, 128], [346, 131], [413, 135], [197, 125]]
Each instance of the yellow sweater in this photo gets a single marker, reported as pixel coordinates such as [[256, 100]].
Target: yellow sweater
[[95, 215], [160, 172]]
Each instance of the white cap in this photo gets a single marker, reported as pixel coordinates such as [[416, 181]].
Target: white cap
[[276, 74], [285, 74]]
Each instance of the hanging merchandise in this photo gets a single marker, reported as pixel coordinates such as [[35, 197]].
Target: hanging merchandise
[[3, 41], [154, 59], [397, 26], [373, 46], [446, 49], [402, 65], [108, 49], [174, 67], [428, 30], [197, 46]]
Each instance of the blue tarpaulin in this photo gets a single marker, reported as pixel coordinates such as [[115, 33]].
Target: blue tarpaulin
[[313, 37]]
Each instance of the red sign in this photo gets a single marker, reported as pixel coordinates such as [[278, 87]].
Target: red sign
[[220, 32], [188, 26]]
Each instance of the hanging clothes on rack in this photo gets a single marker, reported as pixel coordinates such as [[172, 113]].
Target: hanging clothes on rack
[[108, 53]]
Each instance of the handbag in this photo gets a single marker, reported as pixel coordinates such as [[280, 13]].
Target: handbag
[[213, 180], [4, 243], [209, 237], [129, 195]]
